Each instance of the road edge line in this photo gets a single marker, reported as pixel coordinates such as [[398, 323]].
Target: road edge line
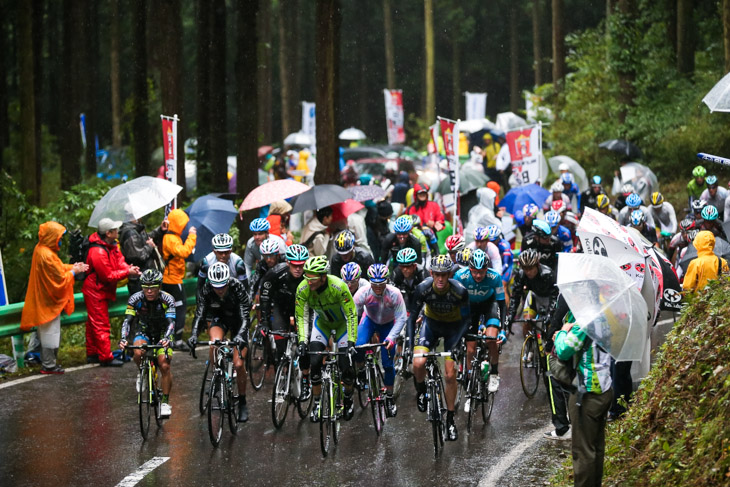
[[506, 461], [31, 378]]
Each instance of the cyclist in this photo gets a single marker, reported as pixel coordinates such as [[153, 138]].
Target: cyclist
[[384, 313], [570, 189], [454, 245], [529, 214], [406, 277], [348, 252], [445, 305], [483, 242], [400, 238], [260, 228], [495, 236], [538, 281], [633, 202], [326, 300], [638, 221], [224, 303], [544, 243], [663, 214], [697, 185], [711, 222], [688, 230], [270, 256], [603, 204], [697, 207], [486, 298], [715, 195], [153, 312], [352, 275], [626, 190], [278, 291], [556, 229], [590, 196]]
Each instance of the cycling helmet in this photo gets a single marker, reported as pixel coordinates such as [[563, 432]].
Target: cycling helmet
[[493, 232], [350, 271], [711, 180], [344, 242], [596, 180], [542, 228], [403, 224], [219, 274], [657, 199], [480, 234], [633, 200], [557, 187], [567, 178], [297, 254], [454, 243], [260, 225], [269, 246], [378, 273], [479, 259], [637, 218], [627, 189], [709, 213], [406, 256], [416, 220], [151, 277], [222, 242], [698, 205], [463, 256], [316, 265], [441, 264], [699, 172], [558, 205], [602, 201], [529, 258], [552, 218], [530, 209], [686, 224]]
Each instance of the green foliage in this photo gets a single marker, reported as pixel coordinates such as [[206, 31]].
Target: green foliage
[[417, 132]]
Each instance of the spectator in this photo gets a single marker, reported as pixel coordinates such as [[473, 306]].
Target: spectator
[[174, 251], [356, 224], [139, 248], [483, 214], [707, 266], [315, 234], [50, 291], [428, 211], [278, 218], [401, 188], [378, 225], [490, 151], [106, 268]]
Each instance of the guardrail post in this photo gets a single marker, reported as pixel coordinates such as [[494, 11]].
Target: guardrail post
[[19, 350]]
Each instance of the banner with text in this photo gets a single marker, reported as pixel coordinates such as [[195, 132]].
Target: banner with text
[[476, 106], [394, 116], [309, 123], [169, 147], [525, 150], [450, 134]]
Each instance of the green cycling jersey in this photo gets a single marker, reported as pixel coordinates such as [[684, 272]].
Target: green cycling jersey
[[333, 304]]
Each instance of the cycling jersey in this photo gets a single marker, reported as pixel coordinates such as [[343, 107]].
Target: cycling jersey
[[665, 217], [508, 259], [543, 285], [233, 308], [448, 306], [391, 246], [333, 305], [565, 237], [386, 308], [407, 287], [235, 264], [360, 257], [494, 254], [481, 293], [278, 290], [588, 199], [258, 276], [548, 252], [155, 319], [649, 233]]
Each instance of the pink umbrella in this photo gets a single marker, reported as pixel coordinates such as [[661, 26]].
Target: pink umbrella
[[340, 211], [267, 193]]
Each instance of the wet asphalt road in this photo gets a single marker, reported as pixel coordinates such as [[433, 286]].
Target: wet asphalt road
[[82, 429]]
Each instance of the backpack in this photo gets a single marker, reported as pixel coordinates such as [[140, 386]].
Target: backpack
[[78, 250]]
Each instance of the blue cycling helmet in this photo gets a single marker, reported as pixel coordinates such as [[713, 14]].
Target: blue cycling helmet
[[479, 259], [530, 209], [541, 227], [480, 234], [637, 217], [596, 180], [297, 254], [378, 273], [493, 233], [406, 256], [260, 225], [633, 200], [350, 271], [710, 180], [403, 224], [567, 178], [552, 218], [709, 213]]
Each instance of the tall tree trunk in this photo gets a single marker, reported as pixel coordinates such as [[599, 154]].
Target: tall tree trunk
[[285, 67], [329, 19], [114, 75], [514, 52], [218, 83], [625, 77], [171, 76], [38, 15], [246, 75], [55, 56], [4, 137], [140, 124], [295, 51], [537, 21], [31, 176], [456, 95], [685, 38], [726, 32], [558, 45], [70, 139], [429, 112], [91, 83], [204, 178], [389, 45], [263, 76]]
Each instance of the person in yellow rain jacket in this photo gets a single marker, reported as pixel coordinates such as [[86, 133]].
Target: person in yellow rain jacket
[[174, 252], [707, 266]]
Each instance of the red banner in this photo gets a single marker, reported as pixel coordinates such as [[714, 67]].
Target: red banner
[[394, 116], [525, 152], [169, 147]]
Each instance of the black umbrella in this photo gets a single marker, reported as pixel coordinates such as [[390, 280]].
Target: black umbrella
[[722, 249], [320, 196], [622, 147]]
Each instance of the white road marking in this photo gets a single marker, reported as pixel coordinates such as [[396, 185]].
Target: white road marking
[[135, 477], [496, 472], [664, 322], [43, 376]]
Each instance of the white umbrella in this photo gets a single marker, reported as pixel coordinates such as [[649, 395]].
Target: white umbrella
[[718, 98], [641, 177], [471, 126], [298, 138], [134, 199], [573, 166], [508, 120], [606, 304], [352, 134]]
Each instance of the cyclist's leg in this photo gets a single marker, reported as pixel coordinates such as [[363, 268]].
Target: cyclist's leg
[[365, 330], [493, 327], [216, 331], [477, 310], [425, 341], [386, 356], [279, 322], [164, 358], [239, 360], [318, 342], [529, 312], [348, 371], [139, 339], [450, 341]]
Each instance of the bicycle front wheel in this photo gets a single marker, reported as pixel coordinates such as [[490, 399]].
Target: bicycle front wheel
[[472, 396], [373, 391], [204, 387], [487, 403], [325, 419], [143, 399], [232, 391], [216, 409], [280, 394], [530, 366], [258, 359]]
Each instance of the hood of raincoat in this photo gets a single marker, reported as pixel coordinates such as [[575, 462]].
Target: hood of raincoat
[[486, 197], [704, 242], [49, 234], [279, 207], [178, 219]]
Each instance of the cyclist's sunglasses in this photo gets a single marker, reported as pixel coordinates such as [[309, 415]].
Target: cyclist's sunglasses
[[312, 278], [155, 286]]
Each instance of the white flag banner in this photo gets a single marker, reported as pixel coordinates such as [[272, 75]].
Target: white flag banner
[[309, 123], [476, 106], [394, 116]]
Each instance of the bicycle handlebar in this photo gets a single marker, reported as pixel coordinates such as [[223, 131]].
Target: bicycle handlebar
[[285, 334], [481, 337], [370, 345], [145, 347], [218, 343], [432, 354]]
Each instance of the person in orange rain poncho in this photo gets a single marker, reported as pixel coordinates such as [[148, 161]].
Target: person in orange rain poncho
[[50, 291]]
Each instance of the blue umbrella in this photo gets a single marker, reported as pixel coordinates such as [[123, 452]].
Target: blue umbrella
[[210, 215], [518, 197]]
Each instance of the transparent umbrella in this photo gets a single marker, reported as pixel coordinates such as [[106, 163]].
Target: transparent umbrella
[[573, 166], [606, 304], [718, 98], [352, 134], [134, 199], [298, 138], [642, 179], [508, 121]]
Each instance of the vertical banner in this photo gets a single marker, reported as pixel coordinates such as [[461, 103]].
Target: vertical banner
[[394, 116], [450, 134], [169, 148], [525, 150], [476, 106], [309, 123], [3, 284]]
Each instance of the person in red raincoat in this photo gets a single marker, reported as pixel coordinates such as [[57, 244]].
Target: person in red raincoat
[[429, 211]]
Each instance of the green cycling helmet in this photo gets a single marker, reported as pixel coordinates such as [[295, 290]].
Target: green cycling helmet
[[699, 172], [316, 265]]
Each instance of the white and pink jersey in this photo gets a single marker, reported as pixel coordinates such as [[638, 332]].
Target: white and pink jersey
[[383, 309]]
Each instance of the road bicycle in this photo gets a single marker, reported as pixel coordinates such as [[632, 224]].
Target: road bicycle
[[149, 395], [223, 390], [402, 364], [435, 408], [261, 355], [374, 385], [477, 390], [287, 383], [533, 361]]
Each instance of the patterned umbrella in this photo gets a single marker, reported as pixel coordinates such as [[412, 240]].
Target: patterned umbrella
[[266, 194], [366, 192]]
